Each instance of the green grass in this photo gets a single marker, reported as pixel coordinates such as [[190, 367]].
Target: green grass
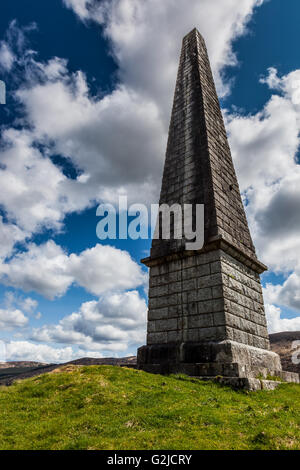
[[105, 407]]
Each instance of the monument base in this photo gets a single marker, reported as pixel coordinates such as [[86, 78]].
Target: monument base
[[228, 362]]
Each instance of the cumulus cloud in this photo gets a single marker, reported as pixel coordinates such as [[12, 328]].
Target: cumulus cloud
[[13, 46], [265, 147], [26, 304], [16, 310], [286, 294], [65, 121], [24, 270], [98, 269], [28, 351], [113, 323], [7, 58], [12, 318], [137, 30], [117, 142], [85, 9], [29, 305], [105, 268], [276, 323], [10, 234], [30, 184]]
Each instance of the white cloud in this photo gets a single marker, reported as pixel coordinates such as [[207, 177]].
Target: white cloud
[[113, 323], [118, 140], [10, 234], [30, 184], [29, 305], [7, 58], [105, 268], [12, 318], [14, 44], [85, 9], [12, 314], [12, 301], [24, 270], [54, 69], [28, 351], [272, 79], [265, 147], [146, 37], [98, 269], [65, 121], [286, 294], [277, 324]]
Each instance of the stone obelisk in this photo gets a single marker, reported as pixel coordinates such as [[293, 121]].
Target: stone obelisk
[[206, 313]]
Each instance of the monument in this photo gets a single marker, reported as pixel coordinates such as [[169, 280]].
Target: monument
[[206, 312]]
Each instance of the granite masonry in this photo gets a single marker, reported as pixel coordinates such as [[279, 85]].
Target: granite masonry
[[206, 312]]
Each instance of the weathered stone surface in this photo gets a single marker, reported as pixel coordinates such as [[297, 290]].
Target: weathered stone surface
[[204, 301], [198, 166], [206, 311]]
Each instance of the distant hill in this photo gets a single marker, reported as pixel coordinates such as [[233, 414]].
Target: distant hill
[[18, 364], [108, 361], [11, 371], [281, 343]]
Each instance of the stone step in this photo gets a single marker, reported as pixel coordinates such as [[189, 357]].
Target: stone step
[[287, 376], [214, 370], [244, 383]]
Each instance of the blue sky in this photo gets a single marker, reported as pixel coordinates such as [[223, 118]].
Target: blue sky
[[89, 94]]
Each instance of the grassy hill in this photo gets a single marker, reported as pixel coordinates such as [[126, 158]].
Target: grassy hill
[[106, 407]]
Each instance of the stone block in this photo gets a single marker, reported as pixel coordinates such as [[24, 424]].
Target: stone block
[[217, 292], [174, 287], [166, 325], [190, 308], [202, 294], [157, 338], [158, 291], [215, 267], [219, 319], [157, 314], [174, 336], [201, 321], [209, 281], [174, 310], [193, 335]]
